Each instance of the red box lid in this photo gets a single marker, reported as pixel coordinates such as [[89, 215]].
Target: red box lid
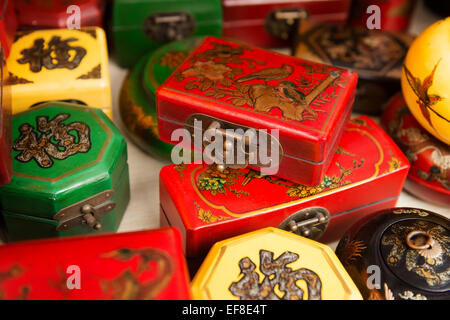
[[308, 102], [135, 265], [209, 206], [53, 13]]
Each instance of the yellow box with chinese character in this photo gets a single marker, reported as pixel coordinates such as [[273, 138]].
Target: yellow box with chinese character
[[272, 264], [67, 65]]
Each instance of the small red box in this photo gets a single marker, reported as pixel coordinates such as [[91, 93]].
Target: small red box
[[140, 265], [8, 25], [366, 175], [254, 21], [247, 87], [5, 123], [57, 14]]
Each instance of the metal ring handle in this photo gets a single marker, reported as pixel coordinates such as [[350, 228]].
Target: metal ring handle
[[412, 243]]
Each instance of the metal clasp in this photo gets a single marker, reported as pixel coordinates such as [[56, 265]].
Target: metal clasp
[[87, 212], [169, 26], [310, 222], [282, 23], [237, 140]]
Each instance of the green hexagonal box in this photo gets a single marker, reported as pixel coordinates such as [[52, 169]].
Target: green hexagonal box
[[70, 173]]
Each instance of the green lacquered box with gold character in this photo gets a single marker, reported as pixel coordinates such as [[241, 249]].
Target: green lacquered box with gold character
[[70, 173]]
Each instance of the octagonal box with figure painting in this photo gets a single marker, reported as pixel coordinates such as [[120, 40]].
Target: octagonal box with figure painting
[[303, 106], [143, 265], [366, 175], [60, 65], [272, 264], [70, 173]]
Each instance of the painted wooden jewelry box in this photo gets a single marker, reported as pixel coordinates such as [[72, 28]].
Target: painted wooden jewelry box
[[5, 124], [272, 264], [143, 265], [366, 175], [229, 85], [374, 55], [60, 64], [139, 27], [138, 94], [70, 173], [270, 23], [429, 176], [8, 25], [411, 249], [48, 14]]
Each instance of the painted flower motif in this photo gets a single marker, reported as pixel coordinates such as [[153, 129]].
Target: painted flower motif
[[173, 59], [394, 164], [208, 69]]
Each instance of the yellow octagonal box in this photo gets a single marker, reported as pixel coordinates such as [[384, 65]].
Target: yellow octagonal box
[[67, 65], [272, 264]]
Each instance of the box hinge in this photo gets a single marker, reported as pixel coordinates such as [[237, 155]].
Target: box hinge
[[310, 222], [282, 23], [169, 26], [87, 212]]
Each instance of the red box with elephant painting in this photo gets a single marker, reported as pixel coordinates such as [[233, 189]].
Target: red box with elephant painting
[[366, 175], [229, 85]]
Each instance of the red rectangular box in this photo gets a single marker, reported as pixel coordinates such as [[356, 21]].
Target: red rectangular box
[[248, 87], [250, 20], [5, 123], [136, 265], [38, 14], [367, 174]]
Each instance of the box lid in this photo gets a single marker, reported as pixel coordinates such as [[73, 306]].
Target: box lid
[[136, 265], [55, 14], [70, 64], [270, 264], [62, 154], [211, 205], [373, 54], [248, 86]]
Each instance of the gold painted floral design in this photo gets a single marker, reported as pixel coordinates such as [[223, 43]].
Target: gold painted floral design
[[216, 181], [206, 215], [173, 59]]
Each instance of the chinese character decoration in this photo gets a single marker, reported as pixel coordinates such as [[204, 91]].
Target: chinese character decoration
[[71, 139], [276, 273], [58, 54]]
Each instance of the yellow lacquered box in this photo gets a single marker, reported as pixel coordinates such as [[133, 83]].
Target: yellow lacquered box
[[60, 64], [272, 264]]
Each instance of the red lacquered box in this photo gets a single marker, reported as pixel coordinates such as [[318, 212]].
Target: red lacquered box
[[8, 25], [394, 15], [366, 175], [429, 176], [265, 23], [143, 265], [59, 14], [5, 123], [238, 86]]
